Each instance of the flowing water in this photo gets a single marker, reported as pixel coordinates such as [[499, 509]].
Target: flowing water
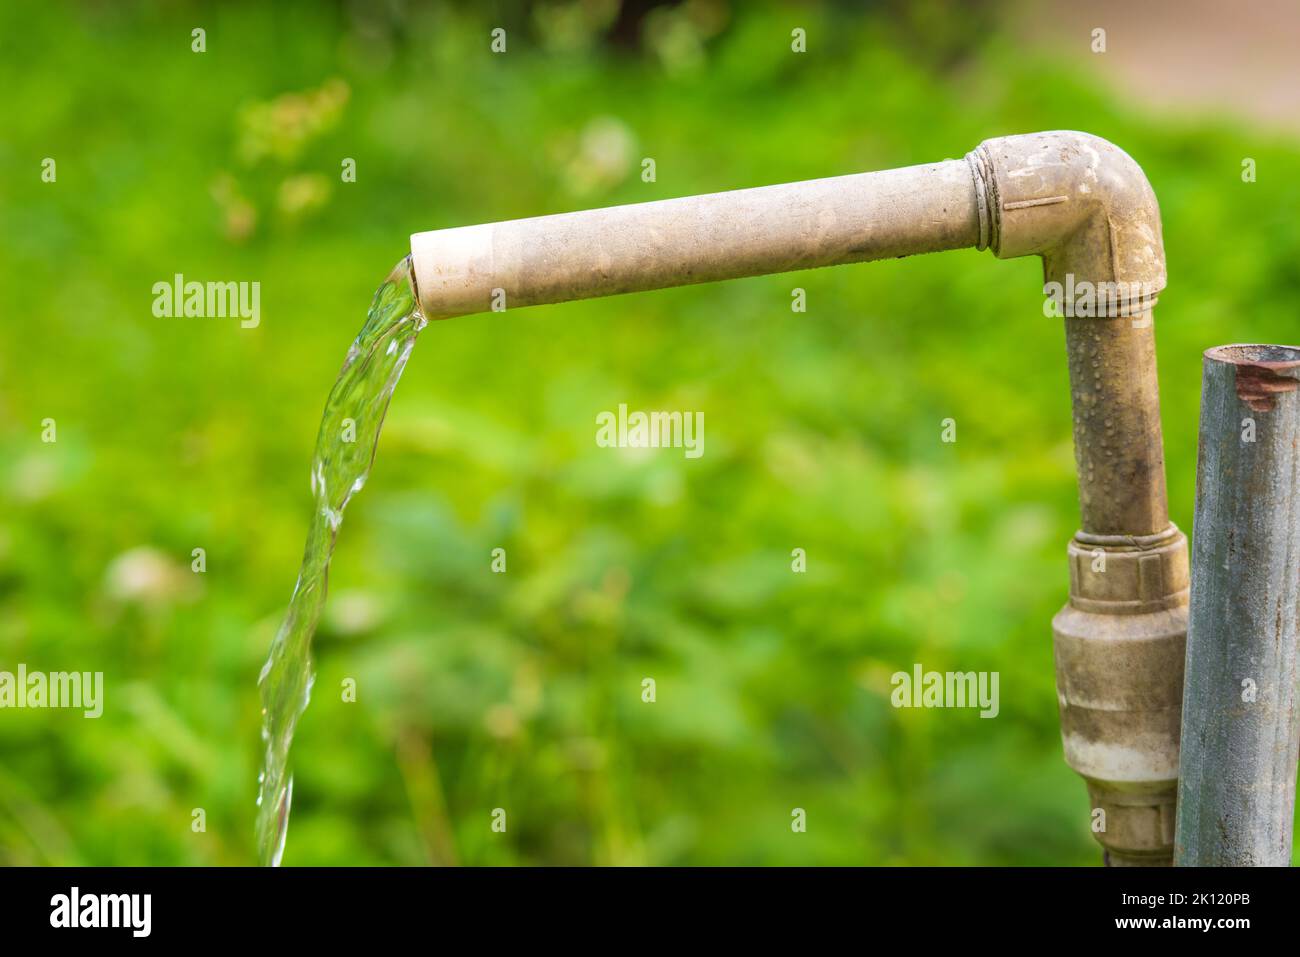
[[345, 450]]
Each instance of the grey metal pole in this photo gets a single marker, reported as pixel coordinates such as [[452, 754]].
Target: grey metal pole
[[1241, 728]]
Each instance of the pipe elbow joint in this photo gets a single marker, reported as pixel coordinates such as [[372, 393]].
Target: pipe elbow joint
[[1085, 207]]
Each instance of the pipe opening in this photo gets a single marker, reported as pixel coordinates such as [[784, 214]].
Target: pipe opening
[[1261, 371], [1283, 357]]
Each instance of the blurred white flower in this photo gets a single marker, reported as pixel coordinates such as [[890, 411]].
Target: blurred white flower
[[148, 576], [601, 158], [354, 612]]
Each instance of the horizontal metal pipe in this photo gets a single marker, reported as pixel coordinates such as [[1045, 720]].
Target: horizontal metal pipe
[[744, 232], [1241, 727], [1079, 202]]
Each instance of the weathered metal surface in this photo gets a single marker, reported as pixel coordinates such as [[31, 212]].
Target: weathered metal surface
[[1082, 204], [1119, 677], [1118, 445], [1241, 729], [675, 242], [1086, 208]]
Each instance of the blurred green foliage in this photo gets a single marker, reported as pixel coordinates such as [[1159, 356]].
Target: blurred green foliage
[[523, 690]]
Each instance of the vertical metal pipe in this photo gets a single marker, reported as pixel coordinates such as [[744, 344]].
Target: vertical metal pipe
[[1087, 208], [1241, 728], [1119, 643], [1117, 441]]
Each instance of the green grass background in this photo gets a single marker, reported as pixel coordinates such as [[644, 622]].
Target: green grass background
[[523, 690]]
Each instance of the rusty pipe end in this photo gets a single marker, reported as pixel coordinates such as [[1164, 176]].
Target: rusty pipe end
[[1261, 371], [453, 271]]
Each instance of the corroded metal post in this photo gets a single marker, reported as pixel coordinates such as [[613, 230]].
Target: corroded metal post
[[1241, 729]]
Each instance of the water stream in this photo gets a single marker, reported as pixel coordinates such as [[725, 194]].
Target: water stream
[[345, 451]]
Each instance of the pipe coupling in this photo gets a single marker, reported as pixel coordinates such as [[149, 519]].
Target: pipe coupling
[[1119, 647], [1082, 204]]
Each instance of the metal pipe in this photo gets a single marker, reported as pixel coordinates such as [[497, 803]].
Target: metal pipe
[[1241, 728], [675, 242], [1082, 205]]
